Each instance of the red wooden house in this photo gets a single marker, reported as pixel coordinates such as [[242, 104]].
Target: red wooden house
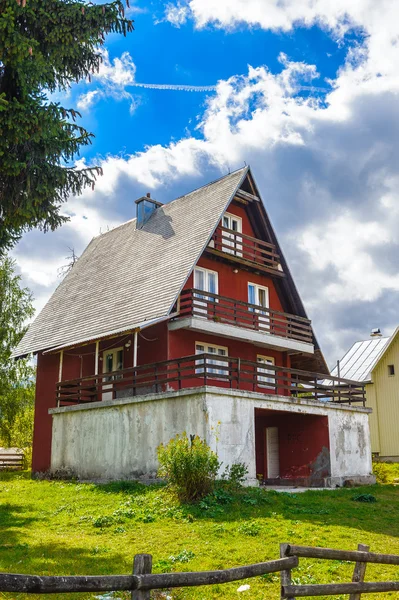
[[187, 318]]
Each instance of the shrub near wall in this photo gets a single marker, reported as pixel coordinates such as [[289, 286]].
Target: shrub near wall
[[189, 466]]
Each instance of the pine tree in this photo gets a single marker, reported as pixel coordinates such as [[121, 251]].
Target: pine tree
[[16, 376], [45, 45]]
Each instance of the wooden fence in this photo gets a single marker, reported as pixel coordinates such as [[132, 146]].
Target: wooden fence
[[142, 581], [355, 588]]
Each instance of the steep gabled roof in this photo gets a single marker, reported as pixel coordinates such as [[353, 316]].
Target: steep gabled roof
[[100, 294], [130, 278], [363, 357]]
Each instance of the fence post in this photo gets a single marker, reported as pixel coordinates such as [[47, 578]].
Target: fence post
[[285, 576], [142, 565], [359, 571]]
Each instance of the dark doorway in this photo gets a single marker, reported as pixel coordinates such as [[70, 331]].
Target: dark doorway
[[291, 448]]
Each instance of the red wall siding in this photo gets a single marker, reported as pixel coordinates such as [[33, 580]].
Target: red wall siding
[[240, 211], [301, 439], [235, 285], [46, 378], [153, 344], [182, 343]]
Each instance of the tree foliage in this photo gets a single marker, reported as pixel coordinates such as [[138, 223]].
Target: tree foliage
[[45, 46], [16, 377]]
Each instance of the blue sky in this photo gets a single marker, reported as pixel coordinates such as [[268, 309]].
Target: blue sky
[[186, 55], [326, 162]]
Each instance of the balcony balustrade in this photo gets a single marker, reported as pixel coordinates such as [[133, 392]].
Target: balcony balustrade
[[245, 249], [197, 303], [212, 370]]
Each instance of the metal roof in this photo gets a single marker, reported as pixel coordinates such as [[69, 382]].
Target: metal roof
[[360, 360], [128, 276]]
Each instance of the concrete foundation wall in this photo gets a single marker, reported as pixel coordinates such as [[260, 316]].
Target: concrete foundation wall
[[118, 439]]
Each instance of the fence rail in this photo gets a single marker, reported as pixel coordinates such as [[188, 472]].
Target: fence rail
[[142, 581], [246, 249], [197, 303], [209, 369], [355, 588]]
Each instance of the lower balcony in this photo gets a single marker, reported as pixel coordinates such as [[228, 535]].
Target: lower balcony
[[209, 370], [234, 319]]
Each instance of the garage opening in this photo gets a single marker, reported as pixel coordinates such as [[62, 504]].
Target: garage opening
[[291, 448]]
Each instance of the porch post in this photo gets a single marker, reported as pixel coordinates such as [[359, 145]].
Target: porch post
[[96, 358], [135, 349], [60, 367]]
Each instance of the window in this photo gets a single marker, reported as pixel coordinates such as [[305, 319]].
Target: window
[[259, 295], [230, 244], [391, 370], [265, 377], [205, 280], [201, 348], [112, 361]]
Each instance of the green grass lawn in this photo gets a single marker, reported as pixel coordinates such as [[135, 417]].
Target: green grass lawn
[[68, 528]]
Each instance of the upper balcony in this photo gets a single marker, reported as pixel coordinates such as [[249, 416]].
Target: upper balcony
[[234, 319], [246, 250]]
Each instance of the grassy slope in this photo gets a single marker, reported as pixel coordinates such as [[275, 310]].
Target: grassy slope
[[71, 528]]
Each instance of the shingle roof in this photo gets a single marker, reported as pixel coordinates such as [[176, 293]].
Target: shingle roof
[[128, 276], [361, 359]]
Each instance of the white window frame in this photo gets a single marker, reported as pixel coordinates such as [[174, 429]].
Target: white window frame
[[207, 272], [265, 377], [205, 350], [236, 249], [111, 375], [202, 307], [257, 288], [231, 218]]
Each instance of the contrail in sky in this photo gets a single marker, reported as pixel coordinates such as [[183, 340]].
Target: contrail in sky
[[207, 88], [170, 86]]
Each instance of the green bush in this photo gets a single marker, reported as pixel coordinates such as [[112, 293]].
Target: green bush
[[386, 472], [189, 466], [235, 475]]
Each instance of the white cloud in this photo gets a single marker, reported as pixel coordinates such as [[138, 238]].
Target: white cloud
[[111, 81], [176, 14], [328, 171], [85, 101]]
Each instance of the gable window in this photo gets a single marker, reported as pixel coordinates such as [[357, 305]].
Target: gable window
[[230, 241], [265, 377], [112, 362], [201, 347], [391, 370]]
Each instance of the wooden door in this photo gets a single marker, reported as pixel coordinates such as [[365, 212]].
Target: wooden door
[[272, 453]]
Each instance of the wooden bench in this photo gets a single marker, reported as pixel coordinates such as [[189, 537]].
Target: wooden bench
[[11, 458]]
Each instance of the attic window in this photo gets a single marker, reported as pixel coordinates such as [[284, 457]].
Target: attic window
[[391, 370]]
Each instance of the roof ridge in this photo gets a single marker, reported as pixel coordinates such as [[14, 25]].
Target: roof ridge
[[178, 198], [208, 184]]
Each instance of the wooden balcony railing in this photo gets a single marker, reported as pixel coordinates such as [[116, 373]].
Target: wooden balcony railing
[[246, 249], [209, 369], [202, 304]]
